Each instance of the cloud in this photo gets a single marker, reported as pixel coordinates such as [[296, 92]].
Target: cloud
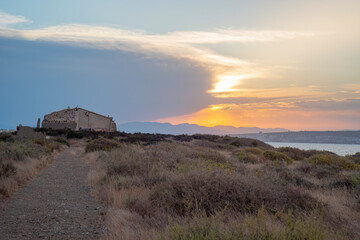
[[331, 104], [227, 72], [8, 19]]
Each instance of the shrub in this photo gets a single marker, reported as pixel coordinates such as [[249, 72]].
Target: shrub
[[341, 163], [294, 153], [355, 157], [75, 134], [212, 192], [277, 157], [247, 142], [62, 141], [130, 166], [101, 144], [349, 181], [183, 138], [207, 154], [208, 137], [248, 157], [293, 178], [298, 154], [7, 169], [253, 150], [4, 137], [144, 138], [20, 150], [260, 226]]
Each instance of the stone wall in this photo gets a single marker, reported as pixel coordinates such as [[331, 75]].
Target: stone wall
[[66, 115], [59, 125], [28, 133]]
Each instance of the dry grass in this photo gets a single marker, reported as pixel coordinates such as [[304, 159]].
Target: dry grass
[[174, 190], [343, 209], [21, 160]]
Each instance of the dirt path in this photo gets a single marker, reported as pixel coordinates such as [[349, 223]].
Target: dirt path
[[55, 205]]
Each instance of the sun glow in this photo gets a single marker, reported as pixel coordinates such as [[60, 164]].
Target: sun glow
[[226, 83]]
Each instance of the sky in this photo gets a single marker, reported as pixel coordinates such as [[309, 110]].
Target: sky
[[279, 63]]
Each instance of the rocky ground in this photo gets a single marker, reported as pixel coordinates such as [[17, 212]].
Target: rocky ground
[[57, 204]]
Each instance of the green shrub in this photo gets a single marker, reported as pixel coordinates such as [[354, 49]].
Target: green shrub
[[248, 157], [4, 137], [101, 144], [335, 161], [212, 192], [144, 138], [183, 138], [298, 154], [253, 150], [355, 157], [75, 134], [277, 157], [247, 142]]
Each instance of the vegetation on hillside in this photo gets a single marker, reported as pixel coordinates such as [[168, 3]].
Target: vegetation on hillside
[[220, 187]]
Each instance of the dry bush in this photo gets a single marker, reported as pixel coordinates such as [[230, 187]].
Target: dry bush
[[288, 176], [152, 186], [318, 171], [20, 160], [131, 166], [262, 226], [20, 150], [210, 145], [342, 209], [101, 144], [126, 225], [207, 155], [215, 191], [7, 187]]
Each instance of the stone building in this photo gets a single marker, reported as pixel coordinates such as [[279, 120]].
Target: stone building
[[78, 119]]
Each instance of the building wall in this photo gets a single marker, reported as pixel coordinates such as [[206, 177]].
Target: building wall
[[89, 120], [78, 119]]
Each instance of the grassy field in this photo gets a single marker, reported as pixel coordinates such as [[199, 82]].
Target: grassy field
[[211, 187], [20, 160]]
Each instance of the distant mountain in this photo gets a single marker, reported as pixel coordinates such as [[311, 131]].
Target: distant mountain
[[185, 128]]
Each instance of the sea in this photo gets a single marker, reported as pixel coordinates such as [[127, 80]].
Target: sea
[[339, 149]]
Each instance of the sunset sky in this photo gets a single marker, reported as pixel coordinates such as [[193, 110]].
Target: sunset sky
[[279, 63]]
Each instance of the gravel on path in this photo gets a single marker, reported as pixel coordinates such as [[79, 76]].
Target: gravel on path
[[57, 204]]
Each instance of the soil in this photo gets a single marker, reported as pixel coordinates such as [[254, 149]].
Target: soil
[[57, 204]]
